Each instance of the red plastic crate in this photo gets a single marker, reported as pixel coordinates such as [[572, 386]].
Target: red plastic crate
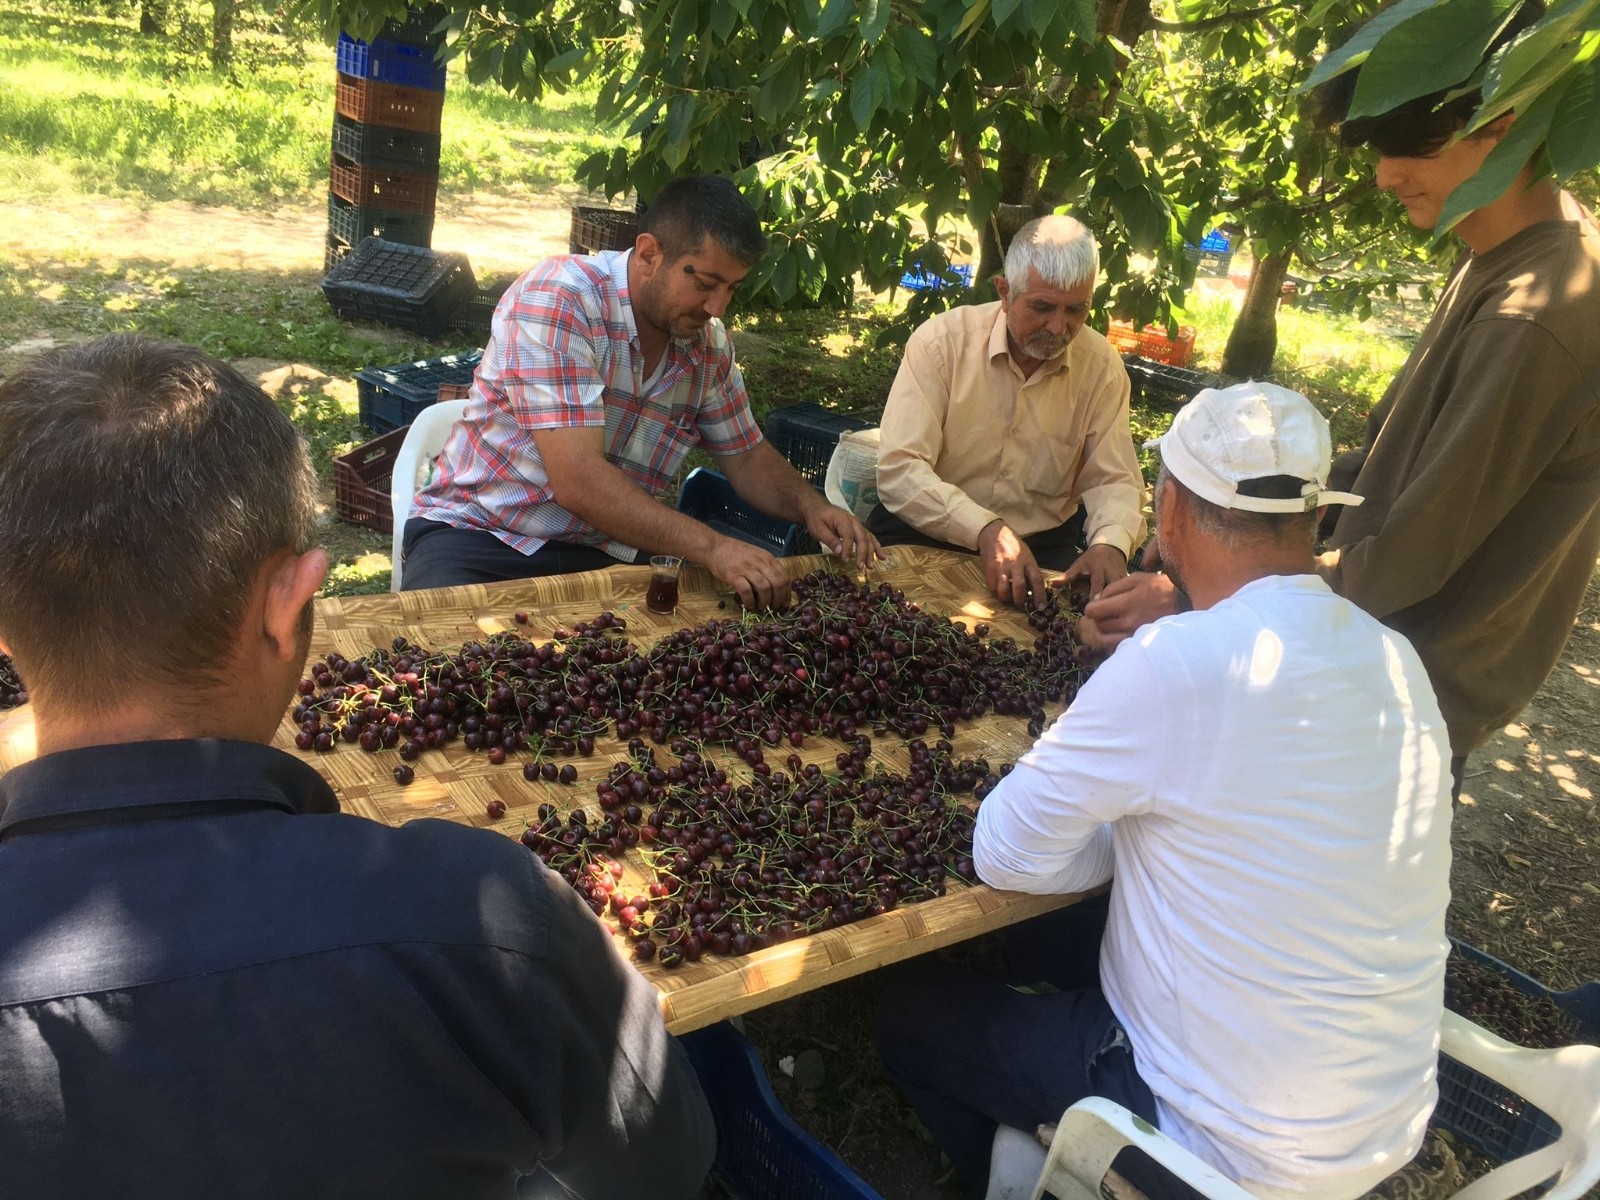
[[1124, 338], [361, 482], [1154, 344], [380, 187], [389, 104]]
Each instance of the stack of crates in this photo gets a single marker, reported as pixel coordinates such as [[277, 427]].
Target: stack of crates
[[383, 178]]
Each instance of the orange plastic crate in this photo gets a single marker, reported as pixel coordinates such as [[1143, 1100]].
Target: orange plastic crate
[[375, 103], [1124, 338], [380, 187], [1155, 345]]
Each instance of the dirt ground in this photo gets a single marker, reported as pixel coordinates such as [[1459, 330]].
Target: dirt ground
[[1527, 836]]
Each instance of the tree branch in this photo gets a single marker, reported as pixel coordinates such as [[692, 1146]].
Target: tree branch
[[1201, 26]]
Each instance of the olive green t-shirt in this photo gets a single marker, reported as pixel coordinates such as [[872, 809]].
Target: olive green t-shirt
[[1481, 477]]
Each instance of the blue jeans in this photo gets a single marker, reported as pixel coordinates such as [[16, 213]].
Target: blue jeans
[[438, 555], [972, 1052]]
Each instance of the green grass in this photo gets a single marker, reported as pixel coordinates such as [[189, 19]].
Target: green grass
[[91, 106]]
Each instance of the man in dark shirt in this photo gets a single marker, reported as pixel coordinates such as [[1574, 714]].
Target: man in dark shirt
[[212, 983]]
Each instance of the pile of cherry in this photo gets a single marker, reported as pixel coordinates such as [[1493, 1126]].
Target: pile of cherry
[[1481, 993], [736, 867], [12, 691]]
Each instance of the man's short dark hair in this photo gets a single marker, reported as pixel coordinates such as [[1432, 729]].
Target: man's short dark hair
[[142, 486], [687, 211], [1418, 127]]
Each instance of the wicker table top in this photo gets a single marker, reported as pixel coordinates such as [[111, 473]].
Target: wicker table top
[[456, 784]]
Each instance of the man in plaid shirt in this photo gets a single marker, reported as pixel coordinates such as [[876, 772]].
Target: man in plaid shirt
[[601, 373]]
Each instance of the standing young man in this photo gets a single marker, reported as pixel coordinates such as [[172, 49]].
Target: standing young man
[[1481, 467]]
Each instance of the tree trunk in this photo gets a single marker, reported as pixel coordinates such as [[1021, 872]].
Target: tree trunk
[[1019, 188], [1254, 339], [152, 16], [222, 13]]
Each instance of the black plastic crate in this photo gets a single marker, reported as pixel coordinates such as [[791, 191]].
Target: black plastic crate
[[354, 223], [334, 249], [806, 435], [1488, 1116], [1582, 1004], [707, 496], [1166, 386], [381, 146], [477, 314], [417, 26], [762, 1154], [391, 397], [409, 287]]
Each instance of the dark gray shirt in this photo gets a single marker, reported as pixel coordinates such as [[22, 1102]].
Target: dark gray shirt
[[212, 983]]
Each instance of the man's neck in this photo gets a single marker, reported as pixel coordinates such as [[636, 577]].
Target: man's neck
[[1026, 363], [1519, 208], [1212, 582], [139, 721]]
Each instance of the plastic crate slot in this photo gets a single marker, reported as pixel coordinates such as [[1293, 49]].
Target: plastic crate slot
[[354, 223], [389, 60], [707, 496], [597, 229], [361, 482], [382, 187], [806, 434]]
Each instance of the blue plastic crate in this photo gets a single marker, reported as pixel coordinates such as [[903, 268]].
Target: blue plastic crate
[[392, 397], [388, 61], [1489, 1117], [761, 1153], [707, 496], [918, 280], [1216, 242]]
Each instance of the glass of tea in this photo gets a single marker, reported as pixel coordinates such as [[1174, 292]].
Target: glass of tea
[[663, 594]]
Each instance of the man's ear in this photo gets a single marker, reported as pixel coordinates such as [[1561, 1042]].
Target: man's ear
[[1003, 290], [648, 253], [291, 581]]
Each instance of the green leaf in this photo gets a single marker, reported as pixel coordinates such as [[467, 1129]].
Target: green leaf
[[918, 54], [824, 89], [976, 12], [742, 7], [1354, 52], [835, 18], [1003, 9], [725, 19], [1080, 16], [1044, 11], [864, 96], [1542, 79], [1501, 168], [1535, 45], [810, 1072], [783, 283], [873, 20], [1434, 49], [1574, 138], [680, 120]]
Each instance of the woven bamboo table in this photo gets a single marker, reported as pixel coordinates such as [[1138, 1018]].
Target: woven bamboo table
[[456, 785]]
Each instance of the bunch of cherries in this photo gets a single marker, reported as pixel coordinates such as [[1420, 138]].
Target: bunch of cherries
[[739, 867], [12, 691]]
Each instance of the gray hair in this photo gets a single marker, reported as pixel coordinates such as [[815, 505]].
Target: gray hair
[[1240, 526], [1061, 249], [142, 486]]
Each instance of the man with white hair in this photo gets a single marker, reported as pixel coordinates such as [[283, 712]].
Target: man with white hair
[[1264, 782], [1006, 429]]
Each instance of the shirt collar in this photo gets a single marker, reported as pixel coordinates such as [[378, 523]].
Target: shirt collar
[[1000, 346], [104, 784]]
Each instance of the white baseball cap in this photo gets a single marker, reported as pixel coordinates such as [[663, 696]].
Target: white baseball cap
[[1226, 436]]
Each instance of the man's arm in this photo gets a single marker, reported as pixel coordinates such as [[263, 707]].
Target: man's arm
[[764, 478], [1515, 401], [1110, 487], [910, 438], [1047, 827], [593, 490]]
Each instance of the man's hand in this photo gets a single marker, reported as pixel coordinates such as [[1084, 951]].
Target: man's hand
[[1103, 564], [838, 531], [755, 575], [1124, 606], [1009, 567]]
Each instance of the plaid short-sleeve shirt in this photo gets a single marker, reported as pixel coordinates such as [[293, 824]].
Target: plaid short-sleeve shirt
[[564, 352]]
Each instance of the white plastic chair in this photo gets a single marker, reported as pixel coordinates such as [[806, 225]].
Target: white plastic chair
[[425, 439], [1563, 1083]]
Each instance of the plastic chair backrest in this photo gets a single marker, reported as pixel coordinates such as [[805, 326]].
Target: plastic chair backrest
[[1563, 1083], [425, 439]]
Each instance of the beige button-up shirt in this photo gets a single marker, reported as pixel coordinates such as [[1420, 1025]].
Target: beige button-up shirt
[[965, 438]]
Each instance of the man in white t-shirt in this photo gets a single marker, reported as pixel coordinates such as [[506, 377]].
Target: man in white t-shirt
[[1266, 778]]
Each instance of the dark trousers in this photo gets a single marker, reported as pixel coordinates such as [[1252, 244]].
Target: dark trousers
[[972, 1052], [1458, 774], [436, 555], [1055, 549]]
